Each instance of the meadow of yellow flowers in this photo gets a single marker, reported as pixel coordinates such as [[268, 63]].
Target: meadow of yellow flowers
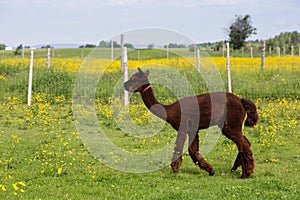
[[237, 63]]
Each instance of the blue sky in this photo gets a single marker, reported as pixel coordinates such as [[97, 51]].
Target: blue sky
[[31, 22]]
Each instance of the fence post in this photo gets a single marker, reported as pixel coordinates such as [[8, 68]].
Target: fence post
[[22, 52], [30, 78], [228, 67], [278, 51], [125, 69], [48, 58], [167, 51], [112, 49], [263, 51], [292, 50], [251, 52], [198, 59]]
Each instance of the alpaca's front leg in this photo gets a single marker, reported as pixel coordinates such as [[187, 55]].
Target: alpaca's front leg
[[178, 150]]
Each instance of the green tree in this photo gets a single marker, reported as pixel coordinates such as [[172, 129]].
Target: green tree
[[107, 44], [240, 30], [128, 45], [18, 50], [2, 46]]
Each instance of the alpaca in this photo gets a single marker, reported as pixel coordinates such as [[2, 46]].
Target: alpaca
[[228, 114]]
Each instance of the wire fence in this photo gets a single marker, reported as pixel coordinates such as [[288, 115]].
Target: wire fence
[[279, 79]]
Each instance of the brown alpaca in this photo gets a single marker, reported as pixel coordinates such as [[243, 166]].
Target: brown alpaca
[[187, 119]]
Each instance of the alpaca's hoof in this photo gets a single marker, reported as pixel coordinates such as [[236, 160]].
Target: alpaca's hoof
[[212, 172], [174, 167], [245, 175], [234, 168]]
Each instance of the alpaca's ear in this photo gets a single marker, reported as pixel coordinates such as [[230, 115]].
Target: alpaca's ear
[[147, 72], [140, 71]]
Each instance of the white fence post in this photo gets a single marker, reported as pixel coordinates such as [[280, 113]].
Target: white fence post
[[198, 59], [30, 78], [112, 49], [167, 51], [125, 68], [292, 50], [48, 58], [251, 52], [22, 52], [263, 51], [228, 67]]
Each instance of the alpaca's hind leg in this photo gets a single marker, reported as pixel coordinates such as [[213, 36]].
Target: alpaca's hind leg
[[238, 160], [244, 157], [196, 157], [247, 158]]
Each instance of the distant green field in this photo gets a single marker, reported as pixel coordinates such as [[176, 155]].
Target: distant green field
[[133, 53], [102, 52]]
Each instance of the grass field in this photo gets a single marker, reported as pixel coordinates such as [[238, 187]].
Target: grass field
[[133, 53], [43, 157]]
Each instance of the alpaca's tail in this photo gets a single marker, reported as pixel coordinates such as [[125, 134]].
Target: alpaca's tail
[[252, 116]]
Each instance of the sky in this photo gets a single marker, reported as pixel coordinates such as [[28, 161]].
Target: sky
[[33, 22]]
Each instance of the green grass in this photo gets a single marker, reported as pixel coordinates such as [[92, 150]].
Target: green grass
[[41, 148], [42, 53]]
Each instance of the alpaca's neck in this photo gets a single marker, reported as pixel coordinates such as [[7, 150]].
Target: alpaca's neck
[[153, 104]]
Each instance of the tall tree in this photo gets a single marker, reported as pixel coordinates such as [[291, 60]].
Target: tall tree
[[2, 46], [240, 30]]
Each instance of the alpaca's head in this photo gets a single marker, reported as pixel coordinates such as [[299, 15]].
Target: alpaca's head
[[137, 82]]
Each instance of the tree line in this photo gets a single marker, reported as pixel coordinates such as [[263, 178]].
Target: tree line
[[284, 39]]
